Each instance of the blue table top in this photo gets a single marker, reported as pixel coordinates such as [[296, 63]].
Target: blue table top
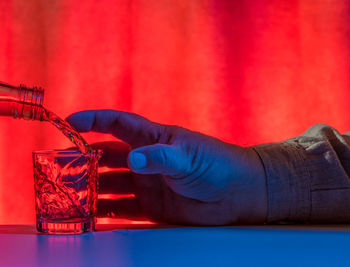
[[21, 245]]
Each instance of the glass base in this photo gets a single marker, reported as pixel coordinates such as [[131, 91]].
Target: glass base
[[76, 226]]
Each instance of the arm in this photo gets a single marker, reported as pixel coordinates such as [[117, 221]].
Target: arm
[[184, 177]]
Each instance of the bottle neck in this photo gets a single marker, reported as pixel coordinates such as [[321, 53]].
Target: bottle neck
[[21, 102], [30, 104]]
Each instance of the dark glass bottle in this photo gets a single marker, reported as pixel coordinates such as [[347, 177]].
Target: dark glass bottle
[[21, 102]]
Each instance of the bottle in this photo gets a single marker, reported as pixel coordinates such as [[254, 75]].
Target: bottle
[[21, 102]]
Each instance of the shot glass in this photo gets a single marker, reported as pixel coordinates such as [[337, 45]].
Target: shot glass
[[66, 184]]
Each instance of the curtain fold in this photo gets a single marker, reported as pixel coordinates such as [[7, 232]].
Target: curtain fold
[[246, 72]]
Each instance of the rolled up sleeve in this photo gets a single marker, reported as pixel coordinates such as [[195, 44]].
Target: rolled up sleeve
[[308, 177]]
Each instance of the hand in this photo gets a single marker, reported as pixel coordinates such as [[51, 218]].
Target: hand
[[178, 176]]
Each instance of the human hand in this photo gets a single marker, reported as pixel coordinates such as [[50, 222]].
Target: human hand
[[178, 176]]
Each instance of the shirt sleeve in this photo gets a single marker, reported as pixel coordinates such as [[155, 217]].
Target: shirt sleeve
[[308, 177]]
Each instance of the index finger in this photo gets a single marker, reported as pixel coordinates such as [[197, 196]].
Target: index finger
[[129, 127]]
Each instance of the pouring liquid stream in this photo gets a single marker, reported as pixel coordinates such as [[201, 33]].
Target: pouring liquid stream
[[67, 130]]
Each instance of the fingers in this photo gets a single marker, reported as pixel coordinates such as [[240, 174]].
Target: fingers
[[117, 182], [159, 159], [128, 127], [128, 208]]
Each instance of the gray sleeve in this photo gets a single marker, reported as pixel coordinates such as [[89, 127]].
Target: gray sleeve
[[308, 177]]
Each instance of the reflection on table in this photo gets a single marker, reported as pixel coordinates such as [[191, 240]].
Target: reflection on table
[[163, 245]]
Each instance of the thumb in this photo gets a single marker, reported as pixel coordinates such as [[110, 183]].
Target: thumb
[[158, 159]]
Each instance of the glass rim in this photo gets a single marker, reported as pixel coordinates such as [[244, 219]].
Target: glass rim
[[65, 152]]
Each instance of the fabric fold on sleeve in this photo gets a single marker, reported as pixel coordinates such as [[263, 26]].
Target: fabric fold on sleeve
[[308, 177]]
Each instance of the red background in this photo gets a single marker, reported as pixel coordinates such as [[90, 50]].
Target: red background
[[247, 72]]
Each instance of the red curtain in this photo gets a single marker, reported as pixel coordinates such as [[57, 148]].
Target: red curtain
[[245, 71]]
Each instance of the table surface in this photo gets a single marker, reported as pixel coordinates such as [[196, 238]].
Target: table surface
[[306, 245]]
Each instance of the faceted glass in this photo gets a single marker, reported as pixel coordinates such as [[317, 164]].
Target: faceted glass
[[66, 183]]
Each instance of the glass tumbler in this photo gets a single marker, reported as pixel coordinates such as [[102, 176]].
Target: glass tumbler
[[66, 184]]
